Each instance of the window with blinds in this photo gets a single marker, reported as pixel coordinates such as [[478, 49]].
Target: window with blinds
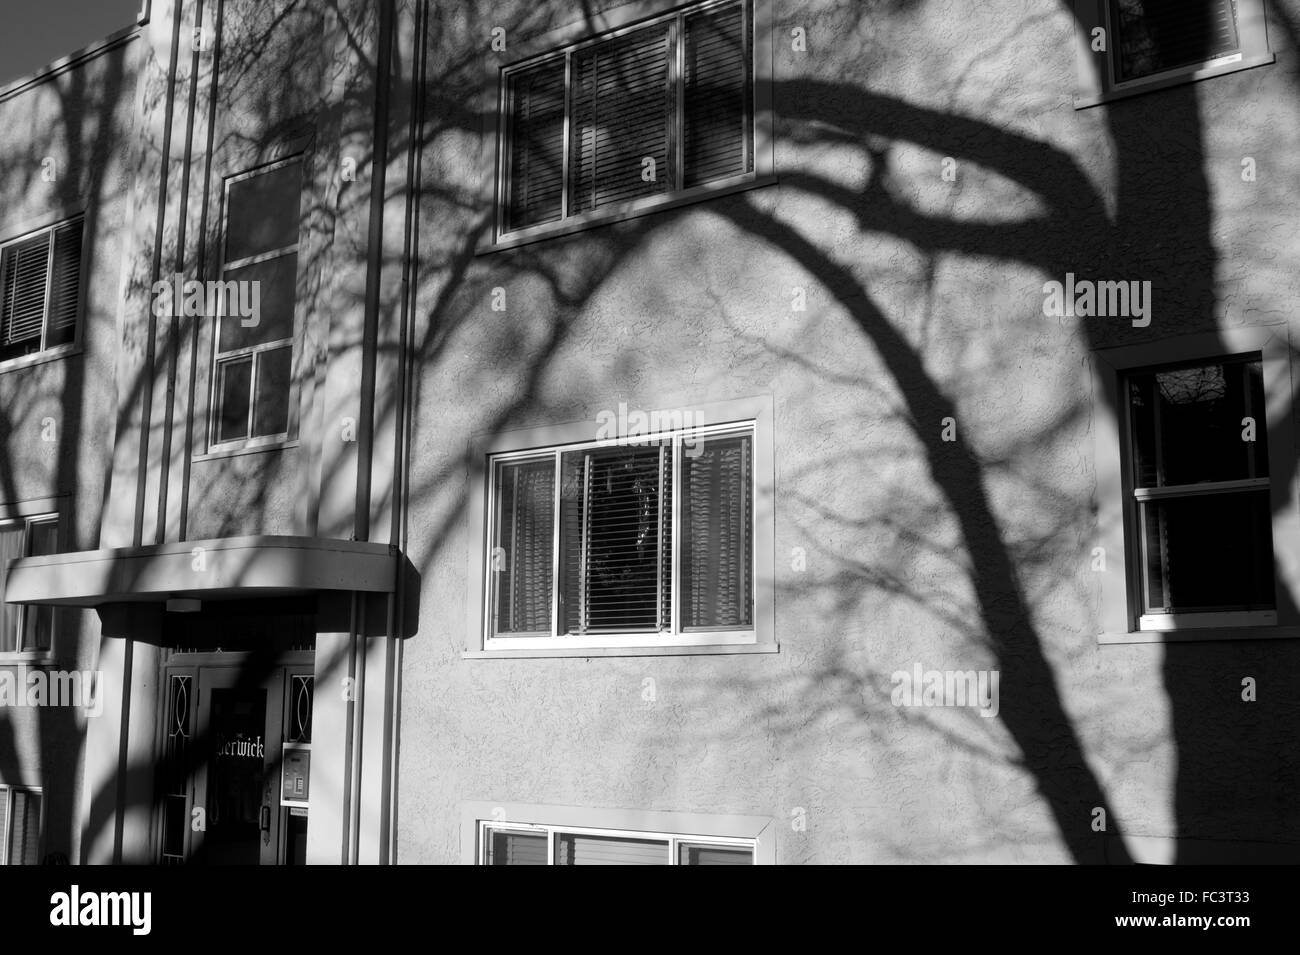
[[20, 826], [643, 543], [40, 283], [1153, 36], [547, 845], [642, 113], [25, 629]]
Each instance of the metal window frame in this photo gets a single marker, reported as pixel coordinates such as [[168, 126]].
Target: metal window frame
[[21, 653], [1119, 617], [1148, 614], [673, 841], [214, 443], [676, 132], [676, 636], [485, 446]]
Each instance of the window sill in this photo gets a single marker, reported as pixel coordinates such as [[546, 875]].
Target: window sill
[[661, 651], [39, 358], [1208, 620], [1201, 635], [245, 449], [27, 658], [642, 207], [1160, 81]]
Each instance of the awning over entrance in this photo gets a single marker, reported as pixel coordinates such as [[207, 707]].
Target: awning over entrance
[[222, 568]]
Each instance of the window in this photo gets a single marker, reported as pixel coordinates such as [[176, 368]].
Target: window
[[252, 376], [1199, 459], [20, 826], [641, 533], [1196, 536], [644, 542], [496, 833], [25, 629], [547, 845], [1151, 36], [1156, 43], [629, 119], [40, 282]]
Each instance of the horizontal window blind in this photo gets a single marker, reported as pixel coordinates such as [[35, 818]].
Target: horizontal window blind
[[525, 538], [25, 276], [717, 533], [24, 828], [663, 107], [573, 849], [622, 110], [714, 855], [615, 539], [718, 95], [1157, 35], [516, 848], [65, 285], [537, 145]]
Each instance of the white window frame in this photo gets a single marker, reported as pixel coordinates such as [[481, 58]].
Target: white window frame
[[28, 514], [1097, 72], [597, 28], [676, 829], [219, 358], [67, 348], [1123, 617], [6, 793], [752, 416]]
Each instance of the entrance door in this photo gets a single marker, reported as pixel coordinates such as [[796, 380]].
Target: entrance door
[[236, 785]]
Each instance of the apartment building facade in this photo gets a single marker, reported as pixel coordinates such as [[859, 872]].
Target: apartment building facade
[[721, 432]]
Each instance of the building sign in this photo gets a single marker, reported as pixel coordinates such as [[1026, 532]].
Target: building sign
[[241, 747]]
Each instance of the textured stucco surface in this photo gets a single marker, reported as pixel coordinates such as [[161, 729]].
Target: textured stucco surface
[[694, 306], [892, 547], [54, 415]]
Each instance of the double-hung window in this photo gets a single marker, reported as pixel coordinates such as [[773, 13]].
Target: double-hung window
[[40, 283], [253, 367], [629, 119], [1202, 507], [20, 826], [25, 629], [1196, 537], [641, 543]]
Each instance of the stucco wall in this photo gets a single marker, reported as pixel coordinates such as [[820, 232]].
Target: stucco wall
[[924, 300], [54, 415]]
